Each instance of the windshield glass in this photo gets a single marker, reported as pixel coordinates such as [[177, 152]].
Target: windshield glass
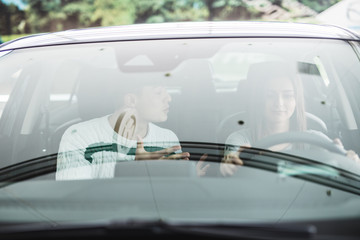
[[273, 108]]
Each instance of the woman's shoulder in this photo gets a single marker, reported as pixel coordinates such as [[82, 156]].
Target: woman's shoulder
[[240, 137]]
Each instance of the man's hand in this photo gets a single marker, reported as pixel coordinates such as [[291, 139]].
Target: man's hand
[[167, 153]]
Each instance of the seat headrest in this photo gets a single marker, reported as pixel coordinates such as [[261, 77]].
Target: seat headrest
[[197, 75], [96, 92]]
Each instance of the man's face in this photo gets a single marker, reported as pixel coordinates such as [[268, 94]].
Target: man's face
[[153, 104]]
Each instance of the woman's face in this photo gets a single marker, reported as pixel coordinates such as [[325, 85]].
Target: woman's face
[[280, 101], [153, 104]]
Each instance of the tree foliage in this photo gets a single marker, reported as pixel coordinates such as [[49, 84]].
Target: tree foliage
[[109, 12], [56, 15], [11, 18]]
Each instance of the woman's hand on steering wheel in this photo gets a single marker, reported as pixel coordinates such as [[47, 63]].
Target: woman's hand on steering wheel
[[349, 153]]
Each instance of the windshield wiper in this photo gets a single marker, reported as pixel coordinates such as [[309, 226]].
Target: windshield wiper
[[159, 228]]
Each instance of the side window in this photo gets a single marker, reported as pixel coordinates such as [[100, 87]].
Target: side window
[[6, 86], [7, 83], [63, 86], [62, 99]]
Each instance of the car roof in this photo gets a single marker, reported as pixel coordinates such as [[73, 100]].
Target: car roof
[[173, 30]]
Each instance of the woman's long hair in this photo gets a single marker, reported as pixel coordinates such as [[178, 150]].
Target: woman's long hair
[[259, 76]]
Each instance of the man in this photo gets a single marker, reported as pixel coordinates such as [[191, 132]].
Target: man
[[92, 148]]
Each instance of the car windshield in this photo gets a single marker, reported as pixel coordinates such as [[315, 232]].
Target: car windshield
[[75, 116]]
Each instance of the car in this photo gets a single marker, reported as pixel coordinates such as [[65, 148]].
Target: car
[[237, 150]]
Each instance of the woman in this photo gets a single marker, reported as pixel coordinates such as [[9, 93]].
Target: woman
[[276, 105]]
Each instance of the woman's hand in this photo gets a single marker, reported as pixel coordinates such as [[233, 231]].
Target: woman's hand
[[231, 162], [167, 153], [201, 168], [349, 153]]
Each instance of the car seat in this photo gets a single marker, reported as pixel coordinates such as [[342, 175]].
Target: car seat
[[95, 97], [197, 105]]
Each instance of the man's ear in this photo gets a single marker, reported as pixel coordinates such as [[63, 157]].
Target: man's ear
[[130, 100]]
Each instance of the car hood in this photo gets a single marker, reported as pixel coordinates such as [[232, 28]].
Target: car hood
[[173, 190]]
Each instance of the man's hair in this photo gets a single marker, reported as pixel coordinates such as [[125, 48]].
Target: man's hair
[[134, 83]]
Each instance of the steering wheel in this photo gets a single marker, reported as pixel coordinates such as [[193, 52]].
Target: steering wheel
[[317, 139]]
